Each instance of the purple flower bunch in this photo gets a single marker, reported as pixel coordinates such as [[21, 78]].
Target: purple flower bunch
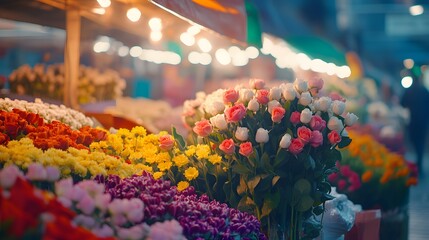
[[199, 217]]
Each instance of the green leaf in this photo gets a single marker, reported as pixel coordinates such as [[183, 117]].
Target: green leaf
[[252, 183], [296, 197], [179, 139], [242, 187], [241, 169], [281, 158], [305, 203], [275, 180], [271, 202], [345, 141], [303, 186], [309, 163], [246, 204], [331, 157]]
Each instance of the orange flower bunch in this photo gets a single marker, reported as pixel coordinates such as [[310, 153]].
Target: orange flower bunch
[[60, 136], [17, 123], [19, 218], [385, 176], [378, 161]]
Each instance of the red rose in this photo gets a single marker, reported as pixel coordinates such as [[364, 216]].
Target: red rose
[[295, 117], [235, 113], [317, 123], [341, 184], [246, 149], [296, 146], [230, 96], [263, 96], [316, 139], [277, 114], [304, 134], [227, 146], [334, 137], [166, 142], [203, 128]]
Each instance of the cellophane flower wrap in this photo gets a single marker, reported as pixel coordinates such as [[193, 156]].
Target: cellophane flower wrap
[[278, 146]]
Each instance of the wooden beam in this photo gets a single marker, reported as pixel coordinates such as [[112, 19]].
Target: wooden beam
[[72, 57]]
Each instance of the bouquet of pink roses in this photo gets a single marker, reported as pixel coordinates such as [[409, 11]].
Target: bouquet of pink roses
[[278, 147]]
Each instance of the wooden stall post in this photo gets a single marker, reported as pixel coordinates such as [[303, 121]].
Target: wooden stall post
[[72, 57]]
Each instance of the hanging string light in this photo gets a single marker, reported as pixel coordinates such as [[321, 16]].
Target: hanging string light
[[134, 14]]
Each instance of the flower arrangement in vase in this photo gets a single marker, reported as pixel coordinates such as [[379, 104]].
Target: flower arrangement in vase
[[278, 147]]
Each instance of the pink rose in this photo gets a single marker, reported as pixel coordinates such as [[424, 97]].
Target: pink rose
[[336, 96], [235, 113], [316, 83], [333, 177], [166, 142], [295, 117], [227, 146], [317, 123], [277, 114], [246, 149], [263, 96], [304, 134], [257, 83], [334, 137], [316, 139], [203, 128], [296, 146], [230, 96], [346, 171]]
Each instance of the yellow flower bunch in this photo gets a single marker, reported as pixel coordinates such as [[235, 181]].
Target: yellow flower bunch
[[71, 162], [146, 151]]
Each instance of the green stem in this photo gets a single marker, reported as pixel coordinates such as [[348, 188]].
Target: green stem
[[207, 183]]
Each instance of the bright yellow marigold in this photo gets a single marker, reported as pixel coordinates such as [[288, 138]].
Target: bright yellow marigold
[[139, 131], [190, 151], [191, 173], [215, 159], [164, 166], [202, 151], [157, 175], [182, 185], [180, 160]]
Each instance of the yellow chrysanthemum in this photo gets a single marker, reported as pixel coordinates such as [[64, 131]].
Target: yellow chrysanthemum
[[158, 175], [215, 159], [202, 151], [191, 173], [182, 185], [139, 131], [164, 166], [180, 160], [190, 151]]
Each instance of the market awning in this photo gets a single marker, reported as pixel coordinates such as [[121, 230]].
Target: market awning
[[316, 47]]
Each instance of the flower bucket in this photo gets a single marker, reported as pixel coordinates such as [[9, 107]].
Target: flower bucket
[[394, 224]]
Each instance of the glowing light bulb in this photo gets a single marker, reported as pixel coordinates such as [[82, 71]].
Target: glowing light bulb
[[134, 14], [155, 36], [407, 81], [204, 45], [155, 24], [104, 3], [187, 39]]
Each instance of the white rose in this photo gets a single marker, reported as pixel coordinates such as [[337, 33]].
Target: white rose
[[285, 141], [242, 133], [300, 85], [245, 95], [215, 107], [219, 121], [306, 116], [289, 92], [323, 104], [272, 104], [350, 119], [305, 98], [275, 93], [335, 124], [262, 135], [338, 107], [253, 105]]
